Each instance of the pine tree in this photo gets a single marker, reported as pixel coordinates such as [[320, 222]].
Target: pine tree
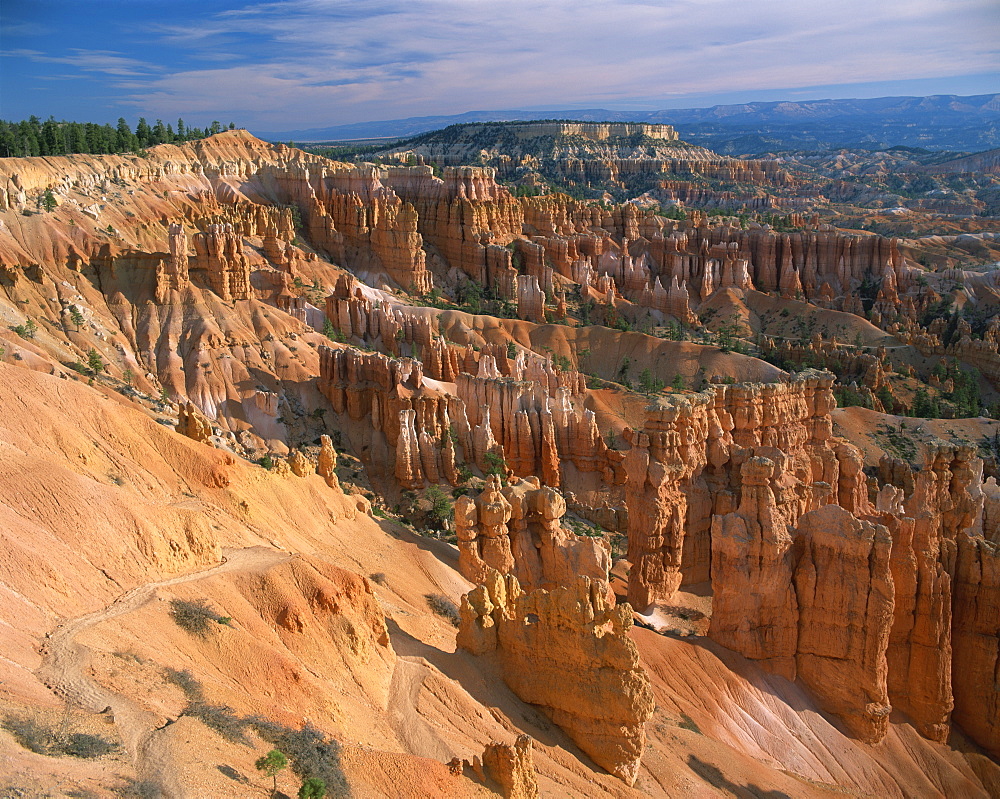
[[143, 133], [159, 133], [270, 764], [126, 140], [94, 361], [313, 788], [923, 405]]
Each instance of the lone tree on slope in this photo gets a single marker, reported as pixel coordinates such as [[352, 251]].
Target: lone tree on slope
[[270, 764]]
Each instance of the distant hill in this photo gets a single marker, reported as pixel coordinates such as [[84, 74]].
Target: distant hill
[[987, 163], [938, 122]]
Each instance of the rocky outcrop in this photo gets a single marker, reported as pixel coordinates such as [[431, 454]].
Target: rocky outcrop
[[398, 245], [512, 767], [754, 607], [300, 465], [172, 274], [192, 424], [659, 467], [530, 299], [592, 131], [683, 466], [507, 767], [817, 605], [616, 154], [219, 253], [326, 464], [529, 419], [929, 513], [373, 387], [920, 646], [483, 538], [515, 529], [460, 214], [355, 315], [976, 640], [845, 595], [541, 636]]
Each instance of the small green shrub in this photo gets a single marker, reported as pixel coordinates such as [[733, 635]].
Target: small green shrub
[[444, 607], [581, 527], [442, 509], [45, 740], [76, 317], [27, 330], [94, 361], [194, 615], [84, 745], [687, 723], [495, 464], [270, 764], [29, 734], [312, 788], [141, 789], [378, 578]]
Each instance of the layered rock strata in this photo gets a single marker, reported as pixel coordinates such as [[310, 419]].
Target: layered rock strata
[[754, 608], [863, 624], [976, 640], [529, 421], [845, 595], [192, 424], [683, 466]]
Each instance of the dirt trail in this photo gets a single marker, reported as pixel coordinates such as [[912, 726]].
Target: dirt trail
[[65, 662]]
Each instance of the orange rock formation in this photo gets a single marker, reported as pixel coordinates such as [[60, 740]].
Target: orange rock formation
[[540, 636]]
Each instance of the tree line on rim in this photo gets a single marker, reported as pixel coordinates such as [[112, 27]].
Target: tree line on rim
[[33, 137]]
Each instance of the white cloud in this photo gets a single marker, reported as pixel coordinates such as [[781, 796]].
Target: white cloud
[[103, 61], [317, 62]]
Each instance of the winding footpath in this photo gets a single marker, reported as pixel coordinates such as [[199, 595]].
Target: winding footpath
[[64, 669]]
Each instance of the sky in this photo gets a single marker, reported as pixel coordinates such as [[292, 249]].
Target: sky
[[296, 64]]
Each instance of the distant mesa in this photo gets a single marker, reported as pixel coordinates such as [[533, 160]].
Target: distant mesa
[[595, 131]]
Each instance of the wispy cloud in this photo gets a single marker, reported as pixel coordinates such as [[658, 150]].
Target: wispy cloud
[[8, 28], [302, 63], [103, 61]]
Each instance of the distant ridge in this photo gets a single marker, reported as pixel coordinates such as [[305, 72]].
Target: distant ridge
[[935, 122]]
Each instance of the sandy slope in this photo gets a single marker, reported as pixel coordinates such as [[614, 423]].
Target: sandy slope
[[877, 434], [107, 515]]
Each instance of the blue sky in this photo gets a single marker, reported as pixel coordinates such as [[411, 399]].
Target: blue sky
[[313, 63]]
